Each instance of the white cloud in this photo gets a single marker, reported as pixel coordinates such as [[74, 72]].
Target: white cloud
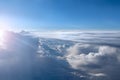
[[77, 57], [97, 74]]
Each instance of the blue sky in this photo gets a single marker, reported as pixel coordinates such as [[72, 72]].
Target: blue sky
[[60, 14]]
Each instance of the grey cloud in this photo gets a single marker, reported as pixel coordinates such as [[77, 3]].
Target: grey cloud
[[106, 58]]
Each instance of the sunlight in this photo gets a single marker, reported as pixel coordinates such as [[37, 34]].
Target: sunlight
[[1, 34], [1, 38], [4, 26]]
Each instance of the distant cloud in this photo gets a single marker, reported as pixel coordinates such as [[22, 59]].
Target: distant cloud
[[98, 74]]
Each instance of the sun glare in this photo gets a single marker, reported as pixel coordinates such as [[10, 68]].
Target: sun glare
[[1, 37], [1, 34]]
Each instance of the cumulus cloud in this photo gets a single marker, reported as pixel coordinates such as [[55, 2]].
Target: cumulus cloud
[[87, 54], [97, 58]]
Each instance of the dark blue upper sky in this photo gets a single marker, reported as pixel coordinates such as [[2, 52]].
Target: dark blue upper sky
[[60, 14]]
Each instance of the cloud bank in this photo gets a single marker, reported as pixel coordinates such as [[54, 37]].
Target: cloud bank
[[60, 55]]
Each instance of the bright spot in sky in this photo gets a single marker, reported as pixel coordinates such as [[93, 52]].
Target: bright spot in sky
[[1, 34], [1, 38]]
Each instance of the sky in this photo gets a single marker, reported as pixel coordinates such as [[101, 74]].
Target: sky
[[60, 14]]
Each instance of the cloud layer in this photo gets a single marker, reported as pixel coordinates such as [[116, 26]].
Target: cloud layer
[[60, 55]]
